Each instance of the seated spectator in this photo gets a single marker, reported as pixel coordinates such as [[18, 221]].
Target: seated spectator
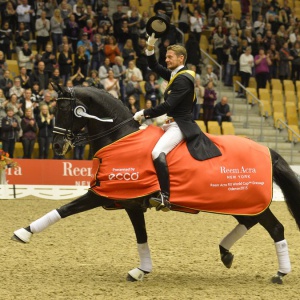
[[6, 83], [222, 111], [29, 128], [148, 104], [128, 52], [94, 80], [17, 89], [26, 58], [152, 89], [55, 76], [259, 26], [10, 131], [89, 29], [37, 95], [210, 76], [3, 64], [295, 52], [87, 44], [210, 96], [42, 26], [133, 70], [25, 79], [3, 103], [78, 78], [133, 105], [111, 85], [45, 126], [133, 88], [26, 101], [49, 59]]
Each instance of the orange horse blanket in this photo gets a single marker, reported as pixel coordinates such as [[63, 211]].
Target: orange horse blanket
[[238, 183]]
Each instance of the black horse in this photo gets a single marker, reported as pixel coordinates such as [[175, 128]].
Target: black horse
[[108, 120]]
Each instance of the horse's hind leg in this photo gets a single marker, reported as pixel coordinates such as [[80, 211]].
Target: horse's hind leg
[[86, 202], [276, 231], [245, 223]]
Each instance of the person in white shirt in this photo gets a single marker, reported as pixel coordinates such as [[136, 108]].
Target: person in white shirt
[[24, 12], [196, 24], [246, 65]]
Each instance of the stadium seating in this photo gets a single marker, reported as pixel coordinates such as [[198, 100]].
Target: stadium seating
[[265, 108], [277, 95], [278, 106], [292, 136], [276, 117], [290, 96], [13, 67], [201, 125], [213, 127], [264, 94], [288, 85], [228, 128], [276, 84]]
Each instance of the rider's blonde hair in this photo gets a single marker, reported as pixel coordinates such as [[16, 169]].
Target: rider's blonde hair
[[178, 50]]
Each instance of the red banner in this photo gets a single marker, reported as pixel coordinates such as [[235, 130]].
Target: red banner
[[50, 172]]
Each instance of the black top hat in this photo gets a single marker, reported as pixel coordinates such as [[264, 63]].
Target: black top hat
[[159, 25]]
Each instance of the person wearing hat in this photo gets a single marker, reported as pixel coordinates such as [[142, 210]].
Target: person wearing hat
[[179, 102]]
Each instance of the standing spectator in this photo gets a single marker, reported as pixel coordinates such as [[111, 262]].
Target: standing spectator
[[124, 35], [295, 52], [3, 103], [97, 52], [81, 61], [42, 26], [40, 76], [25, 13], [26, 101], [55, 76], [246, 63], [16, 89], [141, 59], [22, 35], [103, 18], [196, 25], [16, 106], [50, 6], [65, 40], [72, 31], [103, 70], [78, 78], [262, 63], [211, 14], [87, 44], [256, 9], [3, 64], [183, 16], [199, 92], [152, 89], [65, 63], [209, 99], [66, 9], [231, 65], [49, 60], [6, 83], [94, 80], [57, 27], [6, 39], [142, 24], [111, 84], [219, 40], [26, 58], [45, 125], [111, 49], [245, 8], [89, 29], [193, 51], [128, 52], [274, 57], [9, 15], [222, 111], [284, 58], [29, 128], [259, 25], [10, 130], [119, 73], [133, 25], [118, 17], [133, 88]]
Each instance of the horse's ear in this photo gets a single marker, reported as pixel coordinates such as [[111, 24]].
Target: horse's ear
[[56, 87]]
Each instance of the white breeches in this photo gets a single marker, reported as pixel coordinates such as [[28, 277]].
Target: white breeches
[[169, 140]]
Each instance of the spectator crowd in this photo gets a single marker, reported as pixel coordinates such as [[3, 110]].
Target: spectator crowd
[[82, 42]]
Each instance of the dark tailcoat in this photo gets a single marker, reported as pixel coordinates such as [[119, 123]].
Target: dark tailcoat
[[179, 98]]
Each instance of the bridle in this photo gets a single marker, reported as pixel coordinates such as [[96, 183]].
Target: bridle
[[79, 110]]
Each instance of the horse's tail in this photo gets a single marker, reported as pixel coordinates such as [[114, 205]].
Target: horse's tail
[[287, 180]]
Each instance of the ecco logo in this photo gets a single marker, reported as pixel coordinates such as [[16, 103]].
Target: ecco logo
[[124, 176]]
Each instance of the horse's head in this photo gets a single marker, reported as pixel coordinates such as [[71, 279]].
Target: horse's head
[[89, 107]]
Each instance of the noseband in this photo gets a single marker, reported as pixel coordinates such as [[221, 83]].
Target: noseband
[[79, 111]]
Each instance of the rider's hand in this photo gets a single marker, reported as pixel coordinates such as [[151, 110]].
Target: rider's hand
[[138, 115], [152, 40]]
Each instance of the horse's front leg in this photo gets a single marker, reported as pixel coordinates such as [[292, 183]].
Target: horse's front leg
[[86, 202], [137, 218]]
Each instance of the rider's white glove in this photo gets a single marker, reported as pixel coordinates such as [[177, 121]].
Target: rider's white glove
[[152, 40], [138, 115]]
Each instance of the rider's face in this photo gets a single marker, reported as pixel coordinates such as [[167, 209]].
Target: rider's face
[[173, 61]]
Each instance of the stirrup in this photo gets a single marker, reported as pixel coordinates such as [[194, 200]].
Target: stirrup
[[161, 202]]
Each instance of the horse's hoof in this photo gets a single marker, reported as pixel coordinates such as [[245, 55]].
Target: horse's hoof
[[22, 235], [278, 278], [227, 259], [136, 275]]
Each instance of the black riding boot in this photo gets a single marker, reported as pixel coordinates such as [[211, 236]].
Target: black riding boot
[[161, 202]]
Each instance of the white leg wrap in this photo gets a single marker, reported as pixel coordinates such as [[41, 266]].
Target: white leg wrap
[[23, 235], [145, 257], [238, 232], [282, 252], [137, 274], [45, 221]]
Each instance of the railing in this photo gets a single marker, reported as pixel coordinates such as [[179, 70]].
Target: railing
[[261, 104], [218, 65], [295, 136]]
